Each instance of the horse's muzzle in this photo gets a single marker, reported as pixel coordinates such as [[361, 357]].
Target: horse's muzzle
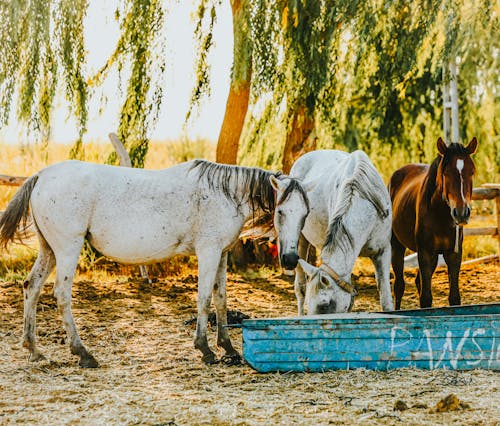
[[289, 260], [461, 215]]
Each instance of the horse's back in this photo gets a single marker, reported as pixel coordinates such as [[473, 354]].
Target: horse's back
[[324, 173], [316, 163], [410, 175], [131, 215]]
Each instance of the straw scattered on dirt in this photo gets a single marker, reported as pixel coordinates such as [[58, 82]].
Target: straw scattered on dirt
[[150, 373]]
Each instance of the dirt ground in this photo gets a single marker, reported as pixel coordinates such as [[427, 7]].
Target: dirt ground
[[150, 373]]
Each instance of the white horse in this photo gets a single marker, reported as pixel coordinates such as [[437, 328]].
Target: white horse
[[350, 215], [142, 216]]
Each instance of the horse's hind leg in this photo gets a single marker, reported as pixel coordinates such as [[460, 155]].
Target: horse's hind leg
[[382, 263], [66, 265], [219, 295], [42, 268], [398, 259], [453, 261]]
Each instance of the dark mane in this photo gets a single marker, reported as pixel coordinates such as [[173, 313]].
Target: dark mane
[[253, 183], [430, 183]]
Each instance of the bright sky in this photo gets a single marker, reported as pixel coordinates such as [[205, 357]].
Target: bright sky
[[101, 35]]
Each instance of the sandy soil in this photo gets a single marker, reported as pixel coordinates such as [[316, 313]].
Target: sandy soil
[[150, 373]]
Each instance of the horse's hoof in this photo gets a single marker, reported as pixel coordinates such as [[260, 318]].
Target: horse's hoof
[[233, 359], [210, 359], [36, 357], [88, 362]]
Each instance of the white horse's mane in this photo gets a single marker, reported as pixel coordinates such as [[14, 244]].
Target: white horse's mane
[[366, 182], [239, 184]]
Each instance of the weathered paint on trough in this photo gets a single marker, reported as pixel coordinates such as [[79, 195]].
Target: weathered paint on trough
[[455, 338]]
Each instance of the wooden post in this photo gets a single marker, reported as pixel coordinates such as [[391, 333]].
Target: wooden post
[[12, 180], [450, 103], [498, 222], [496, 187]]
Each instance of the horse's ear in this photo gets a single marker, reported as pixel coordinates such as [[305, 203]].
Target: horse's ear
[[441, 146], [472, 147], [308, 269], [275, 182]]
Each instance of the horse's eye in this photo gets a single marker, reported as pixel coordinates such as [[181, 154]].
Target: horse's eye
[[280, 213]]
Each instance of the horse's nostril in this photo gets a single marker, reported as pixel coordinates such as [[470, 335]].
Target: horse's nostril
[[455, 212], [290, 260], [467, 212]]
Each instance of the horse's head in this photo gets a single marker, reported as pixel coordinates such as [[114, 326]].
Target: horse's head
[[291, 210], [454, 177], [326, 292]]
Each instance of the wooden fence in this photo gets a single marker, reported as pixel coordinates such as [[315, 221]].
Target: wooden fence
[[488, 191]]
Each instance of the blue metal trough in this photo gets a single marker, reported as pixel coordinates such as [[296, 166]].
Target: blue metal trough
[[455, 338]]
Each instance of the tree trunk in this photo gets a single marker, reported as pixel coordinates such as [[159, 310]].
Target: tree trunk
[[301, 138], [232, 126], [239, 91]]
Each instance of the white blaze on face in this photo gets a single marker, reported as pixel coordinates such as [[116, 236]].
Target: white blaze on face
[[460, 167]]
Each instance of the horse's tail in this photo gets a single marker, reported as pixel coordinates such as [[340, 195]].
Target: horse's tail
[[364, 181], [17, 210]]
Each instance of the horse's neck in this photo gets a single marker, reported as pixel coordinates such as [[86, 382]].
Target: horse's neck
[[432, 191], [340, 261]]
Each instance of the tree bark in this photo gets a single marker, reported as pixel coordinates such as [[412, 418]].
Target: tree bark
[[300, 138], [232, 126], [239, 92]]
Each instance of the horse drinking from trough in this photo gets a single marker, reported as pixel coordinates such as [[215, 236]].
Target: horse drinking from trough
[[142, 216], [430, 205], [350, 215]]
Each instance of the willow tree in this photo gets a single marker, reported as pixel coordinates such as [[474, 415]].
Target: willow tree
[[241, 72], [42, 42], [366, 74], [141, 46], [43, 47]]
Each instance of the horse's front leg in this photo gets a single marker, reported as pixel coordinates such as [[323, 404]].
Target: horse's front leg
[[65, 266], [453, 261], [300, 277], [232, 356], [427, 262], [209, 260], [382, 263], [397, 258]]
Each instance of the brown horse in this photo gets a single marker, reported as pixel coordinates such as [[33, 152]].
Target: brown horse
[[430, 205]]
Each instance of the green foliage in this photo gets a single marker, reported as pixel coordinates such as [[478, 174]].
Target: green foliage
[[34, 55], [205, 21], [371, 74], [69, 26], [141, 44]]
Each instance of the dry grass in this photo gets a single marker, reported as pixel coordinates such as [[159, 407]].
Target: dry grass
[[150, 374]]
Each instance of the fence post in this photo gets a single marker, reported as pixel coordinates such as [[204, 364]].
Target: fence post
[[450, 103]]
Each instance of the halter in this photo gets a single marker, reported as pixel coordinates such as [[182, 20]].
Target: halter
[[344, 285]]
